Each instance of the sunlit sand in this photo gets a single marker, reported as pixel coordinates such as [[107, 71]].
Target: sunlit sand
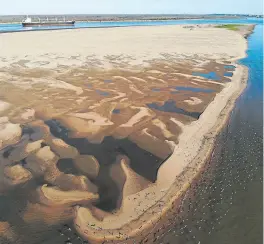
[[110, 126]]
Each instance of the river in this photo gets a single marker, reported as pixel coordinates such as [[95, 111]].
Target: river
[[96, 24], [227, 206]]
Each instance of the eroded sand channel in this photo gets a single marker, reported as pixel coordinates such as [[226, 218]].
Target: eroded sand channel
[[134, 97]]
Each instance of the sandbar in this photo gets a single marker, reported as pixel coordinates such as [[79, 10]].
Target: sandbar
[[94, 97]]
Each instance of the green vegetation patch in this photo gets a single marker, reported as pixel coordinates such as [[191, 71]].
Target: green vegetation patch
[[233, 27]]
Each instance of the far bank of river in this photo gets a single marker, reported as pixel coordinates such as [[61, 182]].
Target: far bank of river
[[17, 27]]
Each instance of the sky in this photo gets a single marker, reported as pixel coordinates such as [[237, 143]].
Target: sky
[[13, 7]]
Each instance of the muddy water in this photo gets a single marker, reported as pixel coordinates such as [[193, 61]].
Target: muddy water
[[226, 208], [170, 106], [210, 75], [142, 162]]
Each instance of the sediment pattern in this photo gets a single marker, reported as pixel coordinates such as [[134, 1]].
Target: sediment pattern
[[94, 148]]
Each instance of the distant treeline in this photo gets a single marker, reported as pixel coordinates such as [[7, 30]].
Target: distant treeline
[[87, 17]]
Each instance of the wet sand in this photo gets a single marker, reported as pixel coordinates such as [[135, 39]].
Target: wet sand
[[140, 158]]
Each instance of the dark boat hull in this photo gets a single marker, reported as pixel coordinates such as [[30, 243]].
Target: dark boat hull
[[32, 24]]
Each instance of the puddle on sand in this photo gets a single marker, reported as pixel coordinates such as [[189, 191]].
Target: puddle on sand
[[210, 75], [164, 89], [193, 89], [170, 106], [230, 67], [156, 89], [108, 81], [102, 93], [228, 74], [116, 111]]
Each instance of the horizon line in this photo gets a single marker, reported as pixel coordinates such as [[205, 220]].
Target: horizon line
[[132, 14]]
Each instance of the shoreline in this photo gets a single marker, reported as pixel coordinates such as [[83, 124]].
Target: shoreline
[[170, 198], [250, 31], [109, 21], [171, 18], [192, 171]]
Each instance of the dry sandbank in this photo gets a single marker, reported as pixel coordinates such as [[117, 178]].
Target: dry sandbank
[[131, 46]]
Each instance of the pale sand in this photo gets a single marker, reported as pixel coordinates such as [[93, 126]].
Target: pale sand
[[16, 174], [143, 112], [132, 44], [143, 116], [53, 196], [193, 101], [150, 143], [4, 106], [28, 114], [179, 123], [93, 117], [197, 137], [137, 46], [195, 144], [9, 132], [166, 133], [87, 164], [62, 149], [127, 180], [22, 150]]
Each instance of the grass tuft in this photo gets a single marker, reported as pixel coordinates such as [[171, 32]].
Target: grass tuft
[[233, 27]]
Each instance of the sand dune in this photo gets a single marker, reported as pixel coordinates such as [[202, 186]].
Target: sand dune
[[193, 101], [71, 182], [62, 149], [9, 132], [39, 162], [22, 151], [167, 134], [53, 196], [144, 115], [86, 126], [134, 182], [151, 143], [16, 174], [88, 165]]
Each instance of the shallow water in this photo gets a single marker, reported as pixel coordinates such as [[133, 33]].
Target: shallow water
[[171, 107], [97, 24], [193, 89], [108, 81], [116, 111], [142, 162], [232, 67], [210, 75], [228, 74], [156, 89], [102, 93]]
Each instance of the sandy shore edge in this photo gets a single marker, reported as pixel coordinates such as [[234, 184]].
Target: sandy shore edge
[[175, 192], [190, 172]]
